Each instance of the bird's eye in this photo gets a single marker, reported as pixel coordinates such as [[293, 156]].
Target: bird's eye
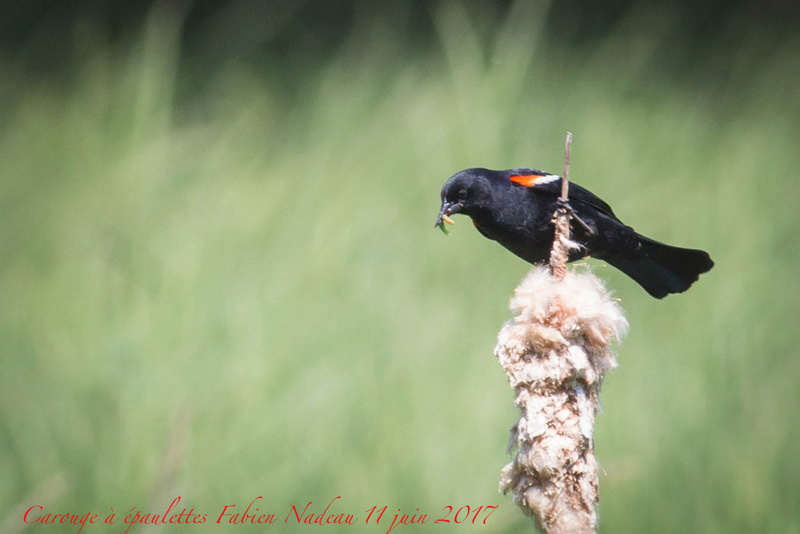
[[462, 195]]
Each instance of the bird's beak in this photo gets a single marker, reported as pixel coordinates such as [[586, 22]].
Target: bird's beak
[[447, 209]]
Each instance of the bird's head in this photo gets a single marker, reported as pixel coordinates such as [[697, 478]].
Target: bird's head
[[465, 192]]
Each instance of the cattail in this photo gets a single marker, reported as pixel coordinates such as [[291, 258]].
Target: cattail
[[555, 352]]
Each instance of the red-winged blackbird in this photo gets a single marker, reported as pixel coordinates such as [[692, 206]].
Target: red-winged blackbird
[[515, 208]]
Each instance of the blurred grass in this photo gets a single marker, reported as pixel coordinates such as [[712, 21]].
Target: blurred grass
[[269, 277]]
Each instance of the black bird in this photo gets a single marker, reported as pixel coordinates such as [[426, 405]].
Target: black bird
[[515, 208]]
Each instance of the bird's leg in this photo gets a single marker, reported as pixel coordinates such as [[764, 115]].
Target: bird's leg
[[564, 204]]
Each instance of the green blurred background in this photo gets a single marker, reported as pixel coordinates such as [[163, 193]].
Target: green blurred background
[[219, 276]]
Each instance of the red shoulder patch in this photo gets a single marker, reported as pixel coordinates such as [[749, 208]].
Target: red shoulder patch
[[530, 180]]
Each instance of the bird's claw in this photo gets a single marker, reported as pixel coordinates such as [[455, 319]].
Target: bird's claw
[[565, 205]]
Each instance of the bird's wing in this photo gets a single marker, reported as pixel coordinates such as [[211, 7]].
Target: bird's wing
[[580, 194], [543, 182]]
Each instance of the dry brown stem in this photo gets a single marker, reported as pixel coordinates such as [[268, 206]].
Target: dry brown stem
[[559, 254]]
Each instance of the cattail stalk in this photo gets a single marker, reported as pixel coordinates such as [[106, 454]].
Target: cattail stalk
[[555, 352]]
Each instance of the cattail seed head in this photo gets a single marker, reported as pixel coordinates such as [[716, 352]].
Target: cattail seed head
[[555, 353]]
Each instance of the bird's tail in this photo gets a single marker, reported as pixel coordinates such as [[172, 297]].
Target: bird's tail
[[663, 269]]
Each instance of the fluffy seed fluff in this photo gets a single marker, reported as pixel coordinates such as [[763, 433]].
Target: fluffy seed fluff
[[555, 352]]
